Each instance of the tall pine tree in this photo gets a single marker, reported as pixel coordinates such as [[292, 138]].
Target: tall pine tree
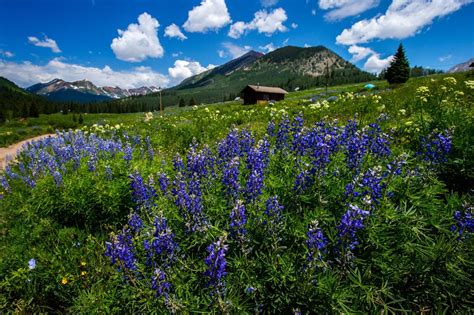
[[399, 69]]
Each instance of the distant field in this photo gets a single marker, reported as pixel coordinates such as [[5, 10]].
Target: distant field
[[21, 129]]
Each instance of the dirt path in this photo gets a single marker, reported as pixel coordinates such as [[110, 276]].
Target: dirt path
[[12, 150]]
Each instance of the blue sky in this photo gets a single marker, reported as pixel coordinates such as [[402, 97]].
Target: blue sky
[[162, 42]]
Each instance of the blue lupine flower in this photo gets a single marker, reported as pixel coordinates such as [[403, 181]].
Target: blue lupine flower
[[436, 147], [316, 242], [120, 250], [464, 221], [128, 153], [216, 265], [229, 148], [351, 222], [378, 141], [303, 181], [159, 283], [149, 148], [273, 211], [271, 129], [257, 161], [189, 204], [246, 142], [32, 264], [238, 221], [4, 183], [163, 182], [283, 133], [230, 178], [297, 125], [163, 244], [135, 222], [108, 173], [142, 194], [58, 178], [250, 290], [178, 164]]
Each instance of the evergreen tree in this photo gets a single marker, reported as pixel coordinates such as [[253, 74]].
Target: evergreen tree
[[34, 110], [399, 69], [81, 119], [182, 103], [74, 119]]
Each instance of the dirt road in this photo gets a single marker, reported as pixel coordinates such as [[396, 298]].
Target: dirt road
[[12, 150]]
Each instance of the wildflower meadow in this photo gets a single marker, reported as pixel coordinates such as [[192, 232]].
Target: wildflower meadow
[[359, 204]]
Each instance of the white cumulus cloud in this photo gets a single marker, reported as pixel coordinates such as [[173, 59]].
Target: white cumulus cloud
[[404, 18], [173, 30], [27, 73], [340, 9], [358, 53], [264, 22], [138, 41], [375, 64], [233, 50], [183, 69], [46, 42], [210, 15]]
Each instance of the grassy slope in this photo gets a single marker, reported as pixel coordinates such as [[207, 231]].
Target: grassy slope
[[53, 243]]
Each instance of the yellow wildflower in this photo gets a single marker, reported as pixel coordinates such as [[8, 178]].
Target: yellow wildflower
[[83, 263], [64, 281], [469, 84], [450, 81], [83, 273]]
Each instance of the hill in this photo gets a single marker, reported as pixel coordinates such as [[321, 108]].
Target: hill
[[288, 67]]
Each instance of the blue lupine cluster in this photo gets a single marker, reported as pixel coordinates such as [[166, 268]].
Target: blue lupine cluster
[[230, 179], [238, 221], [273, 213], [464, 221], [188, 199], [379, 143], [316, 242], [159, 283], [142, 194], [62, 154], [436, 147], [240, 165], [351, 222], [135, 222], [216, 265], [163, 246], [257, 162], [121, 252], [163, 183]]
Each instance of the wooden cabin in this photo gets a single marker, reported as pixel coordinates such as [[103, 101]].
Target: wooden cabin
[[253, 94]]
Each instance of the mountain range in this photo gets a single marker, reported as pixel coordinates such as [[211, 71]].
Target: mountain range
[[84, 91], [465, 66]]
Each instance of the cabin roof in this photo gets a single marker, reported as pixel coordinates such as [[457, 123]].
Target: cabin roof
[[266, 89]]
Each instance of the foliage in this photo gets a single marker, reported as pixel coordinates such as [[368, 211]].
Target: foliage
[[339, 206]]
